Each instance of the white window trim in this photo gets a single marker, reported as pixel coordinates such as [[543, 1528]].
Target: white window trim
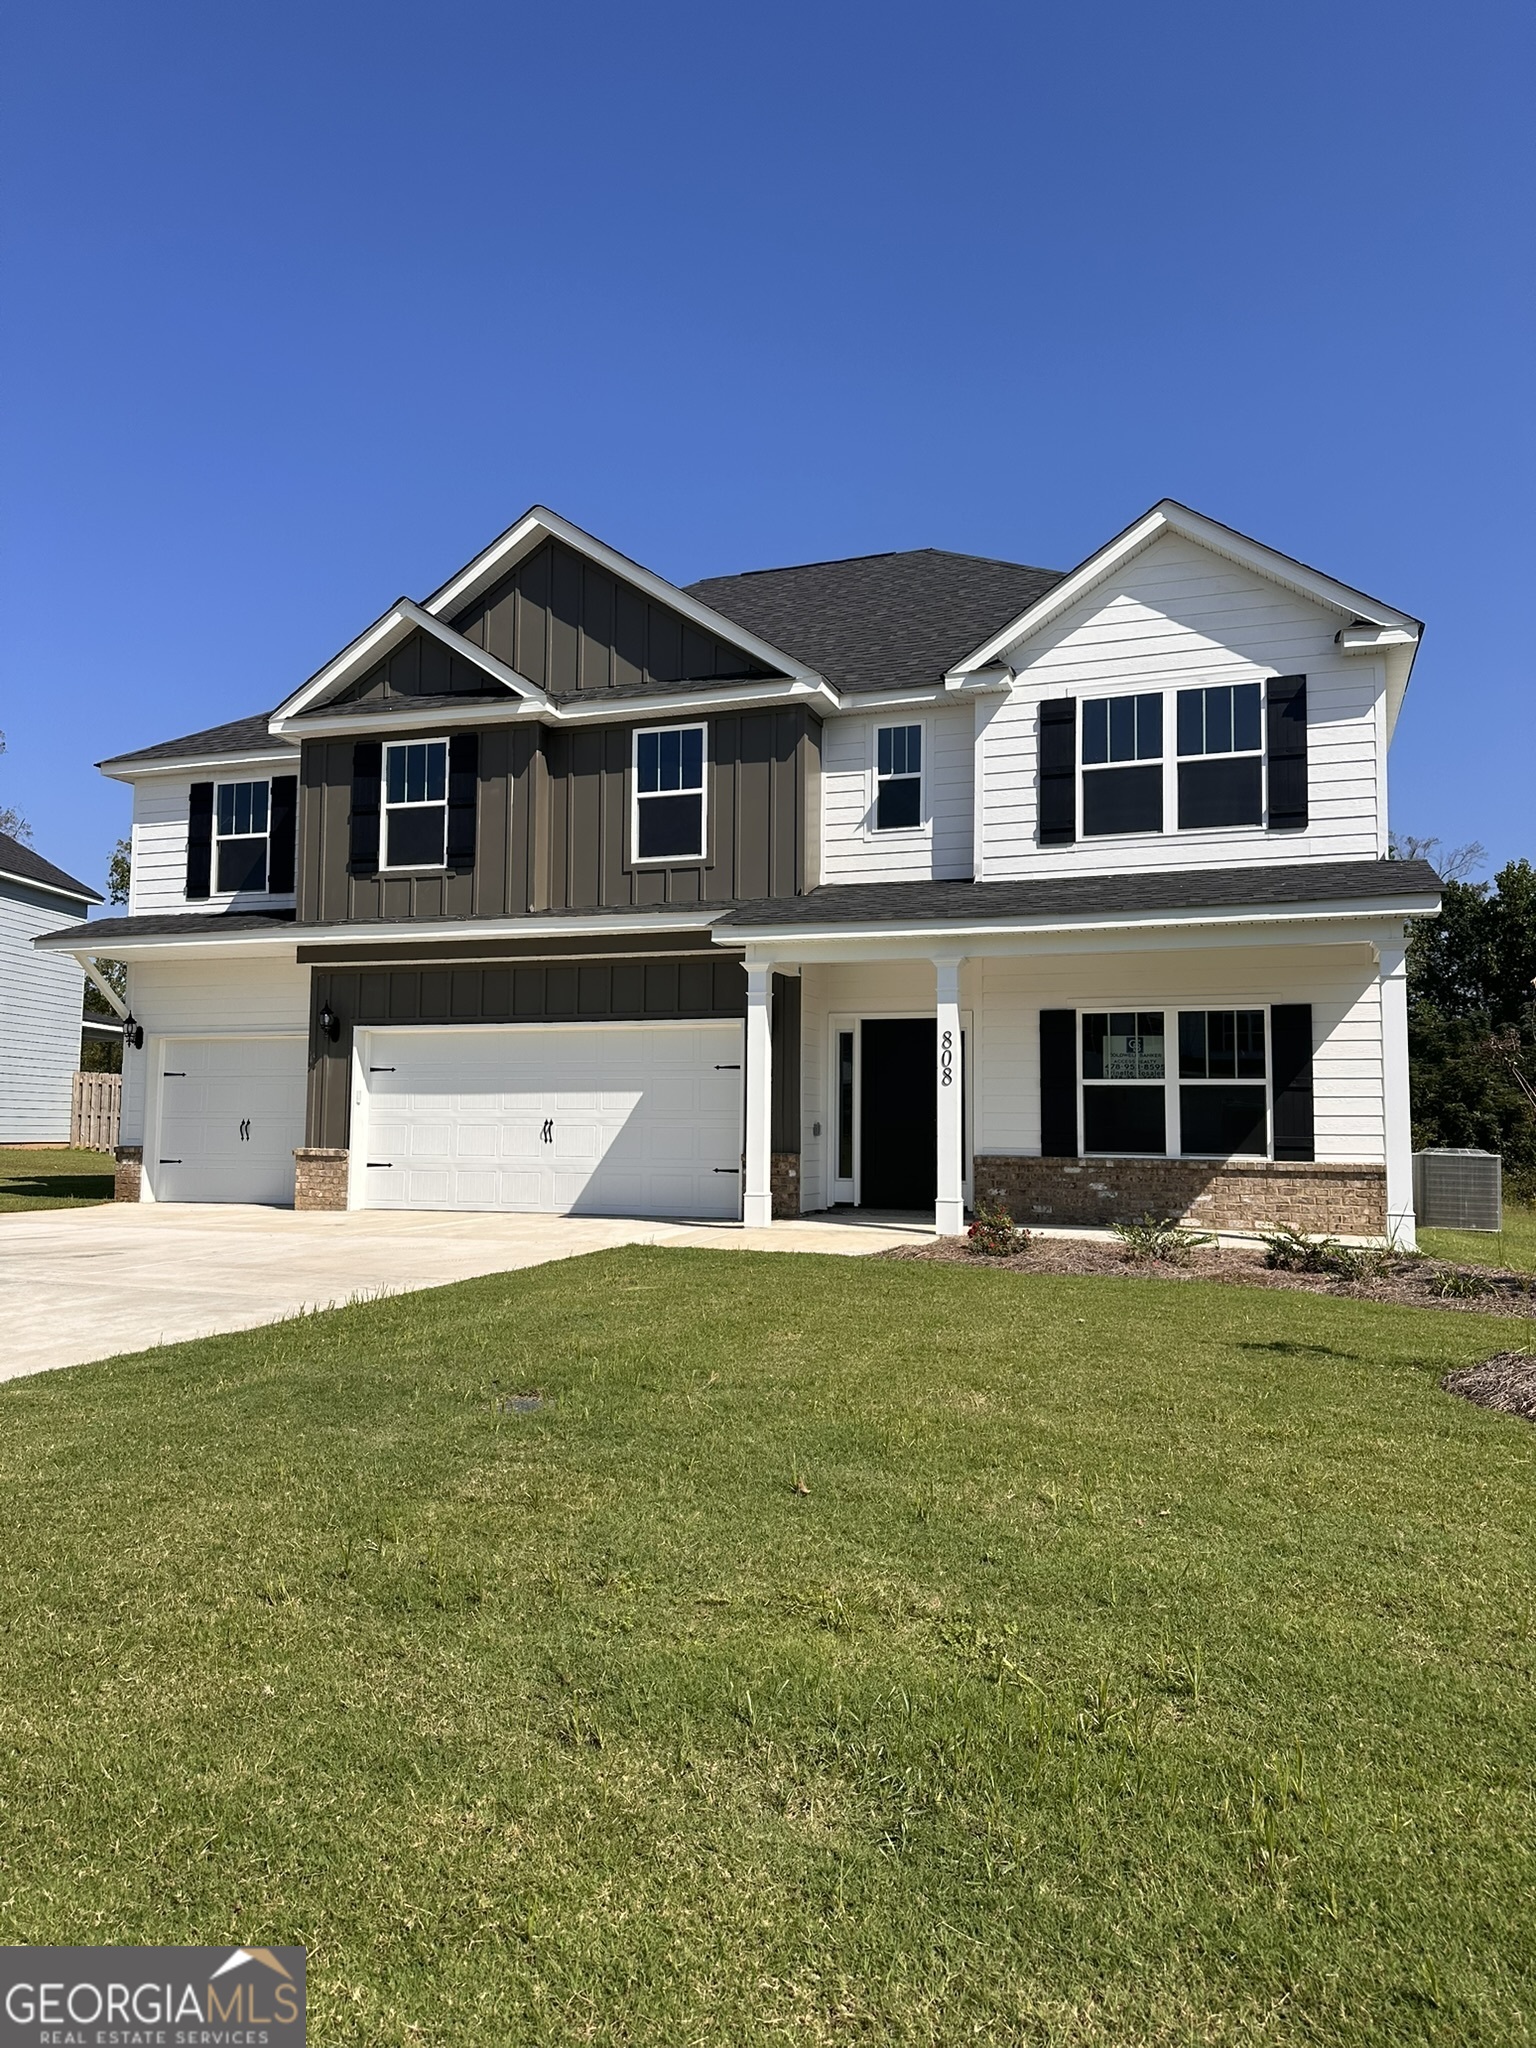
[[668, 860], [1172, 1122], [231, 838], [415, 867], [1087, 768], [1171, 785], [895, 834]]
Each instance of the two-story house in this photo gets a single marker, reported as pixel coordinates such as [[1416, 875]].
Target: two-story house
[[899, 882]]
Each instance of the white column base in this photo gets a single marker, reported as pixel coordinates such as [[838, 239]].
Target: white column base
[[949, 1218], [757, 1212]]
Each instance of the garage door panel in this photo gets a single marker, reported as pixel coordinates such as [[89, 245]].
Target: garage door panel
[[612, 1120], [231, 1115]]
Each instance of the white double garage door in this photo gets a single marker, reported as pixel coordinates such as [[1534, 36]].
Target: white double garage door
[[598, 1120]]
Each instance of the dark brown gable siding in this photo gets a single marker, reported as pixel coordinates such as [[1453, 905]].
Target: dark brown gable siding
[[422, 667], [554, 825], [569, 625]]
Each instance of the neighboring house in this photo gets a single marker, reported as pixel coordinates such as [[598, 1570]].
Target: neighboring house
[[903, 881], [41, 996]]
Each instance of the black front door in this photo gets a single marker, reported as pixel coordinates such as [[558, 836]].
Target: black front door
[[898, 1113]]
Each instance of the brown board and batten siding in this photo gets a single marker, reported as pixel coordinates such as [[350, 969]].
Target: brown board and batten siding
[[553, 830], [571, 626], [536, 992], [421, 666]]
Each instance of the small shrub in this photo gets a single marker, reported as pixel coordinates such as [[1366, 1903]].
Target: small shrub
[[1292, 1251], [1159, 1237], [994, 1234], [1452, 1285]]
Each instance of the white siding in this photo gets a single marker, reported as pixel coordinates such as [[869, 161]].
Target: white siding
[[1006, 995], [222, 994], [41, 997], [160, 802], [940, 849], [1339, 982], [1178, 615]]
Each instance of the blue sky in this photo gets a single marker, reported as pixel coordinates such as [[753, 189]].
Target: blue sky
[[304, 304]]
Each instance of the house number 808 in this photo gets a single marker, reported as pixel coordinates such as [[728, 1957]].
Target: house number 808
[[947, 1060]]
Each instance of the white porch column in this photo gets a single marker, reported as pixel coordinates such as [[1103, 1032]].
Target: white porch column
[[1396, 1116], [757, 1198], [949, 1209]]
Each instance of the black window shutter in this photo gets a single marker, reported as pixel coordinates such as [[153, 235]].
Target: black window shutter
[[1286, 717], [1290, 1041], [1058, 1084], [463, 791], [1058, 771], [200, 841], [283, 827], [367, 767]]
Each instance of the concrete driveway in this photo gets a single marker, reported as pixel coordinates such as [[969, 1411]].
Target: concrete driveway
[[77, 1284]]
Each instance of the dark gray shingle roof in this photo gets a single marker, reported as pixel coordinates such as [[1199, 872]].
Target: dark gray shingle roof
[[169, 924], [240, 736], [24, 865], [880, 622], [1326, 881]]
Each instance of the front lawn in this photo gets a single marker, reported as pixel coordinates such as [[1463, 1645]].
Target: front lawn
[[842, 1652], [52, 1180], [1513, 1247]]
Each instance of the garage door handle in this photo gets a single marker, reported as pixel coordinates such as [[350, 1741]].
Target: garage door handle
[[727, 1169], [170, 1162], [381, 1162], [381, 1070], [736, 1069], [175, 1074]]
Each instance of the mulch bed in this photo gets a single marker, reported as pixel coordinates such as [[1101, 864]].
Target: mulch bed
[[1507, 1383], [1410, 1283]]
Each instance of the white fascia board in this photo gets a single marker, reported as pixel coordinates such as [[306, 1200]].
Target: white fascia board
[[290, 936], [84, 897], [282, 759], [403, 618], [1171, 517], [599, 709], [813, 942], [539, 523]]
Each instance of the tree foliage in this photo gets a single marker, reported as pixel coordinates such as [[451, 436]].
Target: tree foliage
[[1472, 1021]]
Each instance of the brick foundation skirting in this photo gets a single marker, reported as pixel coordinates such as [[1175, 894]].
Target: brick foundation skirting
[[784, 1184], [320, 1177], [128, 1179], [1234, 1194]]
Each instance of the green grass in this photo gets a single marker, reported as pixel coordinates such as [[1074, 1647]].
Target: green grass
[[52, 1180], [1514, 1246], [846, 1652]]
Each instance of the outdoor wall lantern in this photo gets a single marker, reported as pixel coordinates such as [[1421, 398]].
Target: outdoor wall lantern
[[133, 1032], [330, 1023]]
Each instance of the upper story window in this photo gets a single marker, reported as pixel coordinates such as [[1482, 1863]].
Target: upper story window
[[669, 821], [898, 778], [415, 803], [241, 815], [1221, 756], [1122, 764]]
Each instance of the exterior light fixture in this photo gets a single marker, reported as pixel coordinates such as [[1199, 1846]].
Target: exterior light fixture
[[330, 1024], [133, 1032]]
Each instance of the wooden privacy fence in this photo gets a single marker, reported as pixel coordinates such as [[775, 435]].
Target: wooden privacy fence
[[94, 1113]]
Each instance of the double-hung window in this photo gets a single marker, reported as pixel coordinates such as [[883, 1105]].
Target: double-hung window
[[1223, 1099], [1124, 1077], [1122, 764], [898, 777], [241, 815], [1221, 756], [669, 821], [415, 803]]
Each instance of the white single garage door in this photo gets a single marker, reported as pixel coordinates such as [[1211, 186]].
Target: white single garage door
[[594, 1120], [231, 1114]]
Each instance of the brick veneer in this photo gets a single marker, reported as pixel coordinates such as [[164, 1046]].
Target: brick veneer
[[784, 1184], [1233, 1194], [320, 1177], [128, 1179]]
